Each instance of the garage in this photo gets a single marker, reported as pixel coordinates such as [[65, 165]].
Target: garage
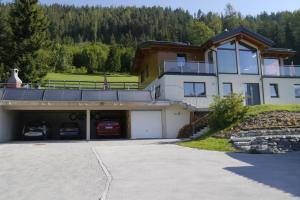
[[98, 114], [146, 124], [109, 124], [56, 124]]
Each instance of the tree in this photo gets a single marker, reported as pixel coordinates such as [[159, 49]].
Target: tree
[[113, 60], [3, 47], [200, 33], [232, 18], [127, 59], [28, 35]]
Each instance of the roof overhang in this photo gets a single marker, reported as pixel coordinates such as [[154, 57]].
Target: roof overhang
[[82, 105], [278, 52]]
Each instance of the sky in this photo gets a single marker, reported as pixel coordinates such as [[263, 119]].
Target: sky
[[252, 7]]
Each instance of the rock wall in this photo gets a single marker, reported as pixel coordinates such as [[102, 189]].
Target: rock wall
[[267, 141]]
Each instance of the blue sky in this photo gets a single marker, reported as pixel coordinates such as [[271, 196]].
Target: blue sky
[[245, 6]]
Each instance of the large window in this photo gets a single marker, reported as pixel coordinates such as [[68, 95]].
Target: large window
[[297, 90], [194, 89], [226, 56], [274, 90], [227, 89], [248, 59], [271, 66]]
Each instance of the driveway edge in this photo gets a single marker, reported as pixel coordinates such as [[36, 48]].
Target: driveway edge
[[107, 174]]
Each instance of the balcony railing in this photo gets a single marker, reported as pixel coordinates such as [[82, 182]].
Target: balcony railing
[[281, 71], [187, 68]]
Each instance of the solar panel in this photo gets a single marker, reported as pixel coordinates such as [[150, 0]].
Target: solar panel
[[23, 94], [62, 95], [99, 95], [134, 96]]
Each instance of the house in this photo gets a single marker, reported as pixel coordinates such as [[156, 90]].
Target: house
[[239, 61], [179, 81]]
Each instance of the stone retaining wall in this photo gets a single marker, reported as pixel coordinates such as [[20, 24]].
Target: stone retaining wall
[[267, 141]]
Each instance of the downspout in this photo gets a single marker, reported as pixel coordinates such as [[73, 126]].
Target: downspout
[[217, 71], [262, 79]]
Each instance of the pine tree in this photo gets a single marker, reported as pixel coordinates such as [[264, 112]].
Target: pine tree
[[28, 35], [113, 60]]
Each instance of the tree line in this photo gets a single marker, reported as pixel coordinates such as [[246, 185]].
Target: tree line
[[93, 39]]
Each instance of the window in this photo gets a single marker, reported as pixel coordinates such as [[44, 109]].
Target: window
[[226, 56], [157, 92], [194, 89], [274, 90], [142, 76], [181, 59], [271, 66], [248, 59], [227, 89], [297, 91]]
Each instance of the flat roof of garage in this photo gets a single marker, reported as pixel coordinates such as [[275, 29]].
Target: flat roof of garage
[[21, 94]]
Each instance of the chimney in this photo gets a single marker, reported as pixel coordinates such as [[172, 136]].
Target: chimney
[[14, 81]]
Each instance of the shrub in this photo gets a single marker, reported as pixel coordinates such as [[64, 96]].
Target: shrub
[[225, 111]]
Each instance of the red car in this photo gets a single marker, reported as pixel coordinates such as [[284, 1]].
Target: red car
[[108, 128]]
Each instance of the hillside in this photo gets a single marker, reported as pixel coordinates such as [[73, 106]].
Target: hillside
[[260, 117]]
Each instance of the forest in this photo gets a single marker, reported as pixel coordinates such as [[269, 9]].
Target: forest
[[104, 39]]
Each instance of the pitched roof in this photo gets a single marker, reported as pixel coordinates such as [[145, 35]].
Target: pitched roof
[[239, 30], [151, 43]]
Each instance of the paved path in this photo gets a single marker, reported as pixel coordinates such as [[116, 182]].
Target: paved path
[[50, 171], [156, 170]]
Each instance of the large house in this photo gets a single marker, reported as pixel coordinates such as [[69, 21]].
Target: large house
[[179, 80]]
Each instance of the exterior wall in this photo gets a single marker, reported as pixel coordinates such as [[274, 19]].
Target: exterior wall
[[149, 66], [169, 55], [285, 90], [154, 60], [238, 82], [7, 119], [172, 88], [174, 118]]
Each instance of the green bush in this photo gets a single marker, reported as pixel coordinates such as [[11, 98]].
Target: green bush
[[226, 110]]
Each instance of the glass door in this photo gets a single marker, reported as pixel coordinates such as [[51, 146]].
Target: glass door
[[252, 94]]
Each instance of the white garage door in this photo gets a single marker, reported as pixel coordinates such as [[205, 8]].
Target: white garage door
[[146, 124]]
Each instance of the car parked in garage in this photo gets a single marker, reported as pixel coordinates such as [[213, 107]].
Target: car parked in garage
[[69, 130], [35, 130], [108, 127]]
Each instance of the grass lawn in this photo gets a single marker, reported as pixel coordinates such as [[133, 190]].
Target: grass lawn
[[115, 77], [217, 144], [210, 143], [255, 110]]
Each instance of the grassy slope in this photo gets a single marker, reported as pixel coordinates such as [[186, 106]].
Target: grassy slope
[[210, 143], [91, 77], [255, 110]]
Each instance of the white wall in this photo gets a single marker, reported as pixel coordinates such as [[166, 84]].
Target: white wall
[[238, 82], [174, 118], [172, 88], [285, 89], [6, 125]]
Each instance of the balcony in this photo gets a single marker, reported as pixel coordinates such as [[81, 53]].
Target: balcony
[[174, 67], [281, 71]]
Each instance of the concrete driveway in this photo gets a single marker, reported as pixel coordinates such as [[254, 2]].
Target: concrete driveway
[[50, 171], [142, 170], [156, 169]]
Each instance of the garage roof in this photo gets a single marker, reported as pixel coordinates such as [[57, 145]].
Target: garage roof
[[14, 94]]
